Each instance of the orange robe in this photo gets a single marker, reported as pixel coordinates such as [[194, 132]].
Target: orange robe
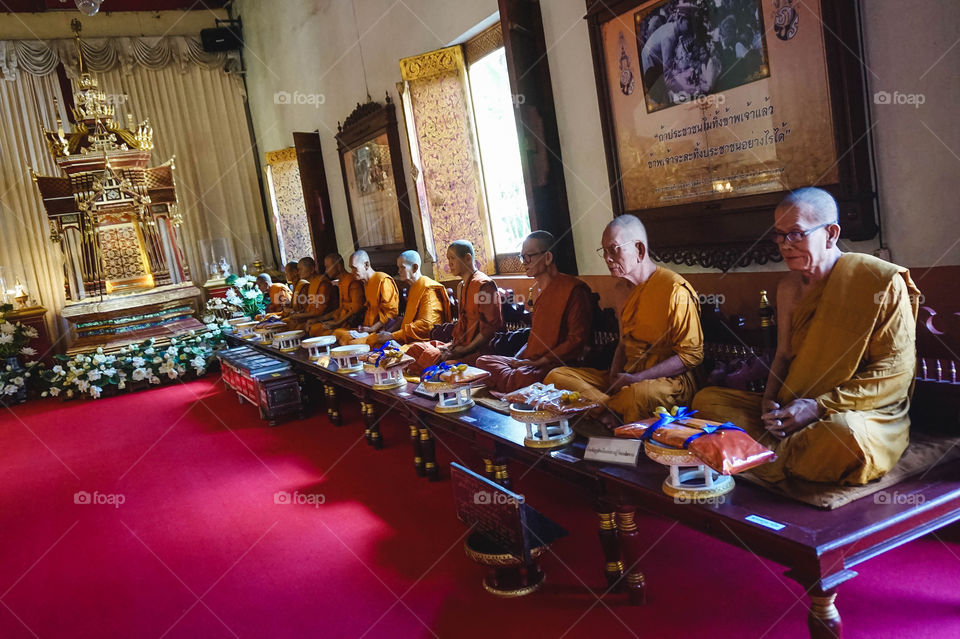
[[427, 306], [279, 296], [561, 325], [480, 312], [383, 304], [350, 305], [853, 348], [315, 299], [661, 318]]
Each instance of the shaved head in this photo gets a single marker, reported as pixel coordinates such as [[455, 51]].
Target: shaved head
[[544, 240], [818, 206], [265, 278], [411, 258], [630, 227], [462, 248], [361, 256]]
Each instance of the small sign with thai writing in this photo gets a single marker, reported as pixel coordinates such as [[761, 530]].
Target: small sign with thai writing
[[763, 521], [613, 450]]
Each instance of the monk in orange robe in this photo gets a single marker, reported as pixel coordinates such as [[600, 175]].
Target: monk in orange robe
[[562, 321], [480, 313], [835, 408], [292, 272], [382, 301], [427, 305], [315, 298], [351, 299], [277, 294], [660, 337]]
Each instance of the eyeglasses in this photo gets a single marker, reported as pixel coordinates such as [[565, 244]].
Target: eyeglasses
[[792, 237], [610, 251], [526, 258]]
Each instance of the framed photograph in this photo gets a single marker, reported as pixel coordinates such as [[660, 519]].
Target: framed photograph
[[713, 109], [377, 200]]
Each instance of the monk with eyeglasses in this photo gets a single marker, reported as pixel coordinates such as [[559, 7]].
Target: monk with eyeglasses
[[660, 337], [838, 392], [561, 322]]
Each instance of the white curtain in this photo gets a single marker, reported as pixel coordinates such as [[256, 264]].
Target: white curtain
[[197, 112], [198, 116], [25, 247]]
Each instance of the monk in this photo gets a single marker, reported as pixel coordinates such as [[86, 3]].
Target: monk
[[561, 323], [382, 300], [350, 296], [277, 294], [427, 305], [837, 395], [480, 313], [660, 337], [315, 298], [291, 271]]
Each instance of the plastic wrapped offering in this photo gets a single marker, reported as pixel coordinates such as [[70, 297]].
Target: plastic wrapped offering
[[550, 398], [725, 448]]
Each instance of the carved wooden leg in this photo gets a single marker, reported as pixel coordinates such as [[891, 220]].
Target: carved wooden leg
[[333, 404], [376, 440], [488, 468], [632, 549], [367, 432], [428, 449], [417, 453], [501, 474], [610, 544], [824, 618]]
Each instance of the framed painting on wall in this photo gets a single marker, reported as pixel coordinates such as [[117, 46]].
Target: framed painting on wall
[[713, 109], [377, 200]]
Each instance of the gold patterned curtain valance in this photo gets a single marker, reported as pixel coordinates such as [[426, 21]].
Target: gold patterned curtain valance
[[41, 57]]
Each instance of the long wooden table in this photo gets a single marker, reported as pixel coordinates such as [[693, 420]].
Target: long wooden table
[[820, 548]]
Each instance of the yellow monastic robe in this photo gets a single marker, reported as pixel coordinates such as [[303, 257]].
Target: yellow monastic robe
[[427, 306], [854, 352], [383, 304], [351, 303], [660, 319], [315, 299]]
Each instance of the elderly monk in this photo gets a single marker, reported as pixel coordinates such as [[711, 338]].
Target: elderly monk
[[351, 299], [427, 304], [277, 294], [836, 400], [480, 314], [314, 299], [660, 337], [562, 318], [382, 300]]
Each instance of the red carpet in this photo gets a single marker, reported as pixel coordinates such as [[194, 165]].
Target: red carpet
[[199, 548]]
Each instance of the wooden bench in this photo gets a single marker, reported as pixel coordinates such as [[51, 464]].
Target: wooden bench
[[820, 548]]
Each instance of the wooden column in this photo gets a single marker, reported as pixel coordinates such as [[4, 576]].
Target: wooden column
[[632, 548]]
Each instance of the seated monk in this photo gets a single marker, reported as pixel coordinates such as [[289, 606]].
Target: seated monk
[[562, 319], [277, 294], [382, 300], [660, 337], [350, 304], [480, 314], [315, 298], [427, 305], [292, 272], [836, 401]]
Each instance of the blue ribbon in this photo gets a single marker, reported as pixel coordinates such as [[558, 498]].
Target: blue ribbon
[[711, 429], [392, 345], [433, 371], [683, 413]]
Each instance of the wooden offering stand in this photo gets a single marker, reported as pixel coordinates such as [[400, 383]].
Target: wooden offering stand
[[689, 480], [348, 357]]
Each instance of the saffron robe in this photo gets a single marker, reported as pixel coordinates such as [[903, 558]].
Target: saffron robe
[[279, 296], [383, 304], [853, 347], [351, 304], [660, 319], [561, 324], [480, 313], [316, 299]]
